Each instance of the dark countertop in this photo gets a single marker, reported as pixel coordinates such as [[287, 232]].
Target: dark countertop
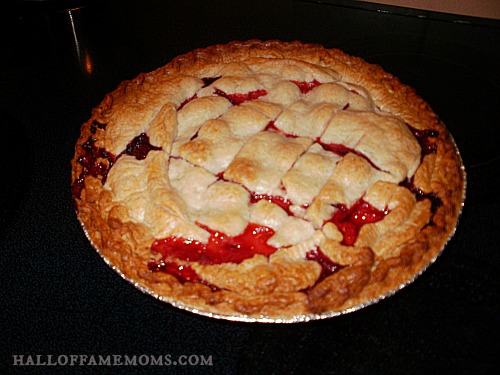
[[58, 297]]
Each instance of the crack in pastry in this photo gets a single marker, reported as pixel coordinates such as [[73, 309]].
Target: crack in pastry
[[267, 181]]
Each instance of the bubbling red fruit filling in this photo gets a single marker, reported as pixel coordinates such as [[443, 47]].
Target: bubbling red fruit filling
[[271, 127], [350, 220], [92, 161], [305, 87], [237, 99], [276, 199], [338, 149], [436, 202], [195, 96], [182, 272], [327, 266], [93, 164], [422, 136], [220, 247], [139, 147], [207, 81], [342, 150], [97, 162]]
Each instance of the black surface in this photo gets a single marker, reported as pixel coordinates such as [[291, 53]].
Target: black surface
[[57, 296]]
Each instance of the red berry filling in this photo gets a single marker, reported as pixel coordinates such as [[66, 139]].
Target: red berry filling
[[276, 199], [207, 81], [272, 128], [342, 150], [220, 247], [184, 273], [336, 148], [427, 146], [305, 87], [436, 202], [139, 147], [237, 99], [350, 220], [94, 165], [327, 266], [187, 101]]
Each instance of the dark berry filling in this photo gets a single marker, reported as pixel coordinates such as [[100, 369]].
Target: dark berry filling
[[97, 162], [97, 125], [350, 220], [327, 266], [237, 99], [436, 202], [207, 81], [140, 146], [93, 165], [336, 148], [187, 101], [422, 136], [305, 87]]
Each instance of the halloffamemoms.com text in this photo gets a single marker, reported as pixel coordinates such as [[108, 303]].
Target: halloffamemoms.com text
[[112, 360]]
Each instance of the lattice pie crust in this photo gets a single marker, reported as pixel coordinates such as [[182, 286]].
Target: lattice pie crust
[[267, 181]]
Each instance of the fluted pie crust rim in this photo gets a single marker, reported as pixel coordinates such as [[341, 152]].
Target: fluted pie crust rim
[[122, 231]]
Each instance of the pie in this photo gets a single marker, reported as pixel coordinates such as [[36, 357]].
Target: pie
[[267, 181]]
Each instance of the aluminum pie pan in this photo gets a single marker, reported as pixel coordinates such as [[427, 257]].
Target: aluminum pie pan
[[298, 318]]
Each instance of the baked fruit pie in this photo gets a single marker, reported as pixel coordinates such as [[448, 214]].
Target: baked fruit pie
[[267, 181]]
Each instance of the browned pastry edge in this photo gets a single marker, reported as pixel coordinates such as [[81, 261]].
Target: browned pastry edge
[[126, 245]]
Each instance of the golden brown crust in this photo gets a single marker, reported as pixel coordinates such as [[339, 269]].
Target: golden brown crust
[[126, 202]]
